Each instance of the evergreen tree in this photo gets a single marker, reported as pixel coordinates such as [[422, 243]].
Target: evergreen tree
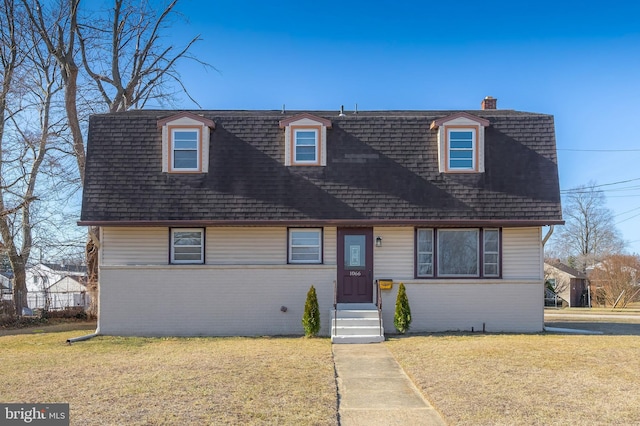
[[311, 316], [402, 317]]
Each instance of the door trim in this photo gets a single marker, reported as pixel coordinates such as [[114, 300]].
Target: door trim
[[341, 274]]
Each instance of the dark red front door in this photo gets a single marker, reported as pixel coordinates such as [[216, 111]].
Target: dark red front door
[[355, 265]]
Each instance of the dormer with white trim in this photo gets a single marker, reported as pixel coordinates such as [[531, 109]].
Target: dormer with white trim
[[460, 143], [305, 140], [185, 143]]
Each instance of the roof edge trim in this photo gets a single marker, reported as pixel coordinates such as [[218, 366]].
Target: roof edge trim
[[187, 114]]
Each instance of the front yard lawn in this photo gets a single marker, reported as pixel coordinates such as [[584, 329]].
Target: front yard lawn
[[136, 381], [526, 379]]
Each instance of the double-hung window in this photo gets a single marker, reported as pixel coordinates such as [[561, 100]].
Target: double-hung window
[[306, 146], [187, 245], [461, 150], [185, 149], [305, 245], [453, 253]]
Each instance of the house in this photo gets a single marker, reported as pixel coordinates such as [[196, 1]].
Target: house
[[569, 284], [218, 222], [6, 285], [41, 276], [70, 291]]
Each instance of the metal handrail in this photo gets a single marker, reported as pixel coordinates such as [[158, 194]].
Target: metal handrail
[[335, 307], [379, 303]]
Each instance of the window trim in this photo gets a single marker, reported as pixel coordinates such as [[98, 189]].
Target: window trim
[[318, 144], [171, 148], [320, 259], [172, 259], [435, 255], [475, 147]]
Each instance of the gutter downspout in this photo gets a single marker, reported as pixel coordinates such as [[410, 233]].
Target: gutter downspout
[[546, 237], [88, 336]]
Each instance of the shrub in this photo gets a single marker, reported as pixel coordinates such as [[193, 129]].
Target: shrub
[[311, 316], [402, 316]]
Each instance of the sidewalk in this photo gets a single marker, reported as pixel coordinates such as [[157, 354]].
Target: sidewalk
[[374, 390]]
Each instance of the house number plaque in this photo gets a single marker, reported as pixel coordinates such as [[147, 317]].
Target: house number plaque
[[355, 273]]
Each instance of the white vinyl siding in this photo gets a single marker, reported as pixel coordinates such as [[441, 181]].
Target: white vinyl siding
[[134, 246], [246, 245], [394, 259], [522, 253]]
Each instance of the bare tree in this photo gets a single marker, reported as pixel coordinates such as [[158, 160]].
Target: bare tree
[[617, 280], [589, 233], [29, 74], [122, 55]]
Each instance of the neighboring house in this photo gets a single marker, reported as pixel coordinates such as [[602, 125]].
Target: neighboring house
[[70, 291], [218, 222], [571, 285], [6, 286], [41, 276]]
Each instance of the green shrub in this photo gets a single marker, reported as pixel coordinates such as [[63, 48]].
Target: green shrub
[[402, 316], [311, 316]]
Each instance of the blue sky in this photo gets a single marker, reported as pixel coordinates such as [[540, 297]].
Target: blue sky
[[577, 61]]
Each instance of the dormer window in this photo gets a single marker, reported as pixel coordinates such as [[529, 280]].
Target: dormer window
[[305, 146], [460, 143], [185, 143], [186, 149], [305, 139], [461, 149]]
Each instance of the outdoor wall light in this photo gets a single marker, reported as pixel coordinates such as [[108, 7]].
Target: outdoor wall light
[[378, 241]]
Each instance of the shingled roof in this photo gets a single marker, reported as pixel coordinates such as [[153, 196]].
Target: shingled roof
[[381, 167]]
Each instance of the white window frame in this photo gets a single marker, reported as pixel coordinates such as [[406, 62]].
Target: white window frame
[[485, 252], [291, 247], [427, 253], [316, 133], [474, 143], [172, 257], [173, 149]]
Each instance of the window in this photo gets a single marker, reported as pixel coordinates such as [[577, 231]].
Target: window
[[305, 246], [185, 149], [187, 245], [451, 253], [461, 143], [185, 142], [491, 252], [425, 252], [461, 150], [306, 146], [305, 140]]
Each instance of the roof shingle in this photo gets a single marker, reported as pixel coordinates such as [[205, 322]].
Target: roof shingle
[[381, 167]]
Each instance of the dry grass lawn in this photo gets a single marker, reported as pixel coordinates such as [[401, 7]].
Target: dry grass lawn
[[156, 381], [526, 379]]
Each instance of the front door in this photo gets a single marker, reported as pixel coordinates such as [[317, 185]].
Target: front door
[[355, 265]]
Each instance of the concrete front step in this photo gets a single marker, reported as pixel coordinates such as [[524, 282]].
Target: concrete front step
[[356, 339], [356, 323], [357, 330]]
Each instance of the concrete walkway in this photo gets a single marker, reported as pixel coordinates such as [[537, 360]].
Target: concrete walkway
[[374, 390]]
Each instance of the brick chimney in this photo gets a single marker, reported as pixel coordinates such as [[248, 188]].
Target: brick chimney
[[489, 103]]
